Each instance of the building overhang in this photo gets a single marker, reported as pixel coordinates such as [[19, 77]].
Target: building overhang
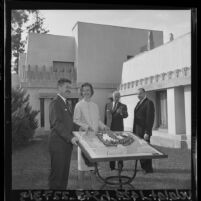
[[178, 77]]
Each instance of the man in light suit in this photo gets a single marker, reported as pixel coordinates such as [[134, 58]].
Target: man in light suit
[[61, 139], [143, 123], [119, 112]]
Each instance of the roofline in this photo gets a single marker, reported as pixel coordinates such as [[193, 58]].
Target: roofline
[[49, 34], [162, 45], [75, 25], [114, 26]]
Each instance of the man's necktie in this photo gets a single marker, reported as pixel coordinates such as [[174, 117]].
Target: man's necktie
[[68, 106], [138, 104], [115, 106]]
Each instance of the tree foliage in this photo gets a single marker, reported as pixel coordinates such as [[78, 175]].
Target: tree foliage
[[38, 25], [19, 21], [24, 120]]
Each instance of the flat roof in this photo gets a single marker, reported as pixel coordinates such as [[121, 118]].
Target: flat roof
[[113, 26], [31, 33]]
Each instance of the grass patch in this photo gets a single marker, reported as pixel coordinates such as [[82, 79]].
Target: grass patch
[[31, 163]]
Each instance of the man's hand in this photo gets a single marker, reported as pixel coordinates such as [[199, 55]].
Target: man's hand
[[146, 137], [74, 141], [106, 128]]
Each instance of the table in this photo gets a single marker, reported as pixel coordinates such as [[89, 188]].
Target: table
[[96, 152]]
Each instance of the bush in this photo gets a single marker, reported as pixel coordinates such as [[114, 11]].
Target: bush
[[24, 120]]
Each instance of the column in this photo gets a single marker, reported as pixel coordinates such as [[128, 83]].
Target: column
[[187, 100], [180, 110], [176, 111], [171, 111]]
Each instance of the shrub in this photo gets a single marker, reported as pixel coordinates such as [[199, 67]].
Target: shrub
[[24, 120]]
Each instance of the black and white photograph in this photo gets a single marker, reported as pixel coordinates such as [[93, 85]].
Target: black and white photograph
[[101, 99]]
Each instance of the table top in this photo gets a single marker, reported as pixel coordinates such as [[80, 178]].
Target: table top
[[96, 151]]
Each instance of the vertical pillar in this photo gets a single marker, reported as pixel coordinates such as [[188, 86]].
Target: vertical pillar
[[47, 123], [176, 112], [152, 96], [187, 98], [171, 111]]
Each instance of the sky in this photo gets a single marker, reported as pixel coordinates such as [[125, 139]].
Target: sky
[[178, 22]]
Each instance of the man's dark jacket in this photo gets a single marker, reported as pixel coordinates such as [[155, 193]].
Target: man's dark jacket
[[60, 146], [61, 120], [143, 118], [117, 117]]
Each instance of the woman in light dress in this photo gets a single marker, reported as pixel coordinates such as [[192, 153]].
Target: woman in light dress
[[86, 115]]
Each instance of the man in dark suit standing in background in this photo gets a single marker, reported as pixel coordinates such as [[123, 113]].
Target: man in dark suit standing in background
[[119, 112], [61, 139], [143, 123]]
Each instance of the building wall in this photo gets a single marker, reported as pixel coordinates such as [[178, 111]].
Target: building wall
[[167, 67], [187, 102], [168, 57], [43, 49], [100, 96], [152, 96], [131, 101], [180, 110], [102, 49], [98, 53], [22, 59]]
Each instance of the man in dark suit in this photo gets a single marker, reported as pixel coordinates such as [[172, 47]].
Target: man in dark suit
[[143, 123], [61, 139], [119, 112]]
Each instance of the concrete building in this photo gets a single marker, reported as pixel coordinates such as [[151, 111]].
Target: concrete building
[[165, 73], [94, 54]]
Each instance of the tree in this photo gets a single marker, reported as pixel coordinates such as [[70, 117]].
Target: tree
[[24, 120], [38, 25], [19, 21]]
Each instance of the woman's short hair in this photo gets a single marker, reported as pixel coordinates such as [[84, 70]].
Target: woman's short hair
[[61, 81], [86, 84]]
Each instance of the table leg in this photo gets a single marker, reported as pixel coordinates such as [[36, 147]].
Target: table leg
[[119, 177]]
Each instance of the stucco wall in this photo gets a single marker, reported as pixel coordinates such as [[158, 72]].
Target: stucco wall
[[131, 101], [100, 97], [170, 56], [187, 103], [180, 110], [43, 49], [103, 49], [22, 59]]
